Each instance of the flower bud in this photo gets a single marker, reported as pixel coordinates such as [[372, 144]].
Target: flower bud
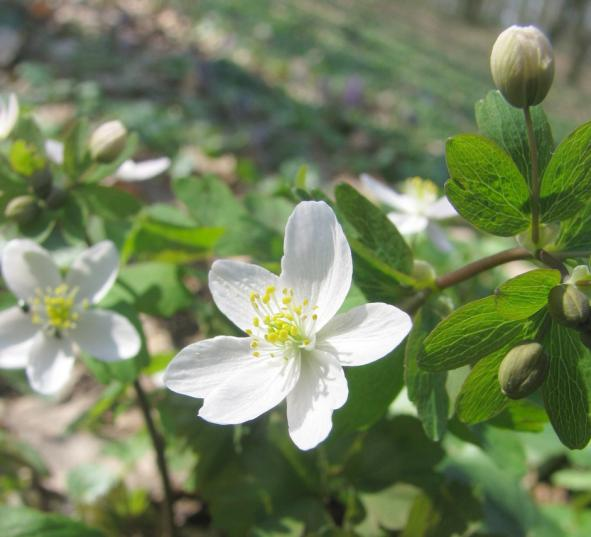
[[107, 141], [41, 183], [523, 370], [522, 65], [22, 209], [568, 306], [423, 271], [56, 198]]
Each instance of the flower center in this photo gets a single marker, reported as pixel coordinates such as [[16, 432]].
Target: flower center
[[54, 308], [281, 322], [421, 189]]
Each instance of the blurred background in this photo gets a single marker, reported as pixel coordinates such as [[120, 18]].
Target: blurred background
[[249, 89]]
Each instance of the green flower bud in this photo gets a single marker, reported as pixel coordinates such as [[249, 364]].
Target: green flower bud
[[568, 306], [107, 141], [56, 198], [522, 65], [22, 209], [523, 370], [41, 183], [423, 271]]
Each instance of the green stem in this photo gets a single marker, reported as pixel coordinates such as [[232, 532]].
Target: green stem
[[535, 178], [159, 446]]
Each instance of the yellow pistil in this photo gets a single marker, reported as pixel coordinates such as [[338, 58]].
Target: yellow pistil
[[280, 322], [54, 308], [421, 189]]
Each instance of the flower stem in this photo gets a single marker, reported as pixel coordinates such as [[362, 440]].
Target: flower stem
[[535, 178], [158, 444], [476, 267]]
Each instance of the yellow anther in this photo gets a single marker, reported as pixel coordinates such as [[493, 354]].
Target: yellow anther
[[256, 322], [270, 290], [254, 344], [314, 317], [256, 354], [266, 299], [249, 331], [305, 302], [286, 300]]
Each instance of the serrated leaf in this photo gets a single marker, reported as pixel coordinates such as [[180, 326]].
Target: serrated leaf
[[564, 390], [426, 389], [485, 185], [25, 522], [566, 184], [505, 124], [526, 294], [470, 333], [374, 229], [575, 233], [480, 397]]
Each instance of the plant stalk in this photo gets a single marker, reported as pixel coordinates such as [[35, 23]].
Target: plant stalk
[[535, 178], [159, 446]]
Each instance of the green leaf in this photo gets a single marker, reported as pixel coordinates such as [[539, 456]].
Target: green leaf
[[89, 482], [526, 294], [566, 184], [485, 185], [108, 202], [426, 389], [505, 124], [480, 397], [371, 390], [157, 288], [25, 522], [72, 222], [575, 233], [374, 230], [522, 415], [25, 158], [75, 150], [564, 391], [470, 333]]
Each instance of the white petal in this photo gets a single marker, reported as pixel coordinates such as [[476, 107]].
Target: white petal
[[389, 196], [408, 224], [251, 391], [94, 271], [441, 209], [15, 327], [50, 363], [203, 366], [232, 282], [8, 115], [16, 356], [54, 151], [131, 170], [317, 261], [27, 267], [106, 335], [321, 388], [438, 238], [364, 334]]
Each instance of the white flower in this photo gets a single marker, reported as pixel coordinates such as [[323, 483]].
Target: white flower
[[54, 319], [129, 171], [296, 346], [8, 115], [416, 208]]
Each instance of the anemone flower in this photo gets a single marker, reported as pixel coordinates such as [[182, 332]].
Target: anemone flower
[[296, 344], [416, 209], [54, 318]]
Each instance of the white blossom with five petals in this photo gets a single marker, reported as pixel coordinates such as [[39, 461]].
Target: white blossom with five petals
[[416, 209], [296, 344], [54, 319]]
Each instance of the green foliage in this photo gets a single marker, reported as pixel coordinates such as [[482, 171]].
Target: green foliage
[[505, 125], [566, 184], [470, 333], [565, 391], [485, 185], [25, 522], [526, 294]]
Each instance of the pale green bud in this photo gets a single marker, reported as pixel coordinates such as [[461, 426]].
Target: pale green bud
[[22, 209], [423, 271], [523, 370], [522, 65], [569, 306], [107, 141]]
